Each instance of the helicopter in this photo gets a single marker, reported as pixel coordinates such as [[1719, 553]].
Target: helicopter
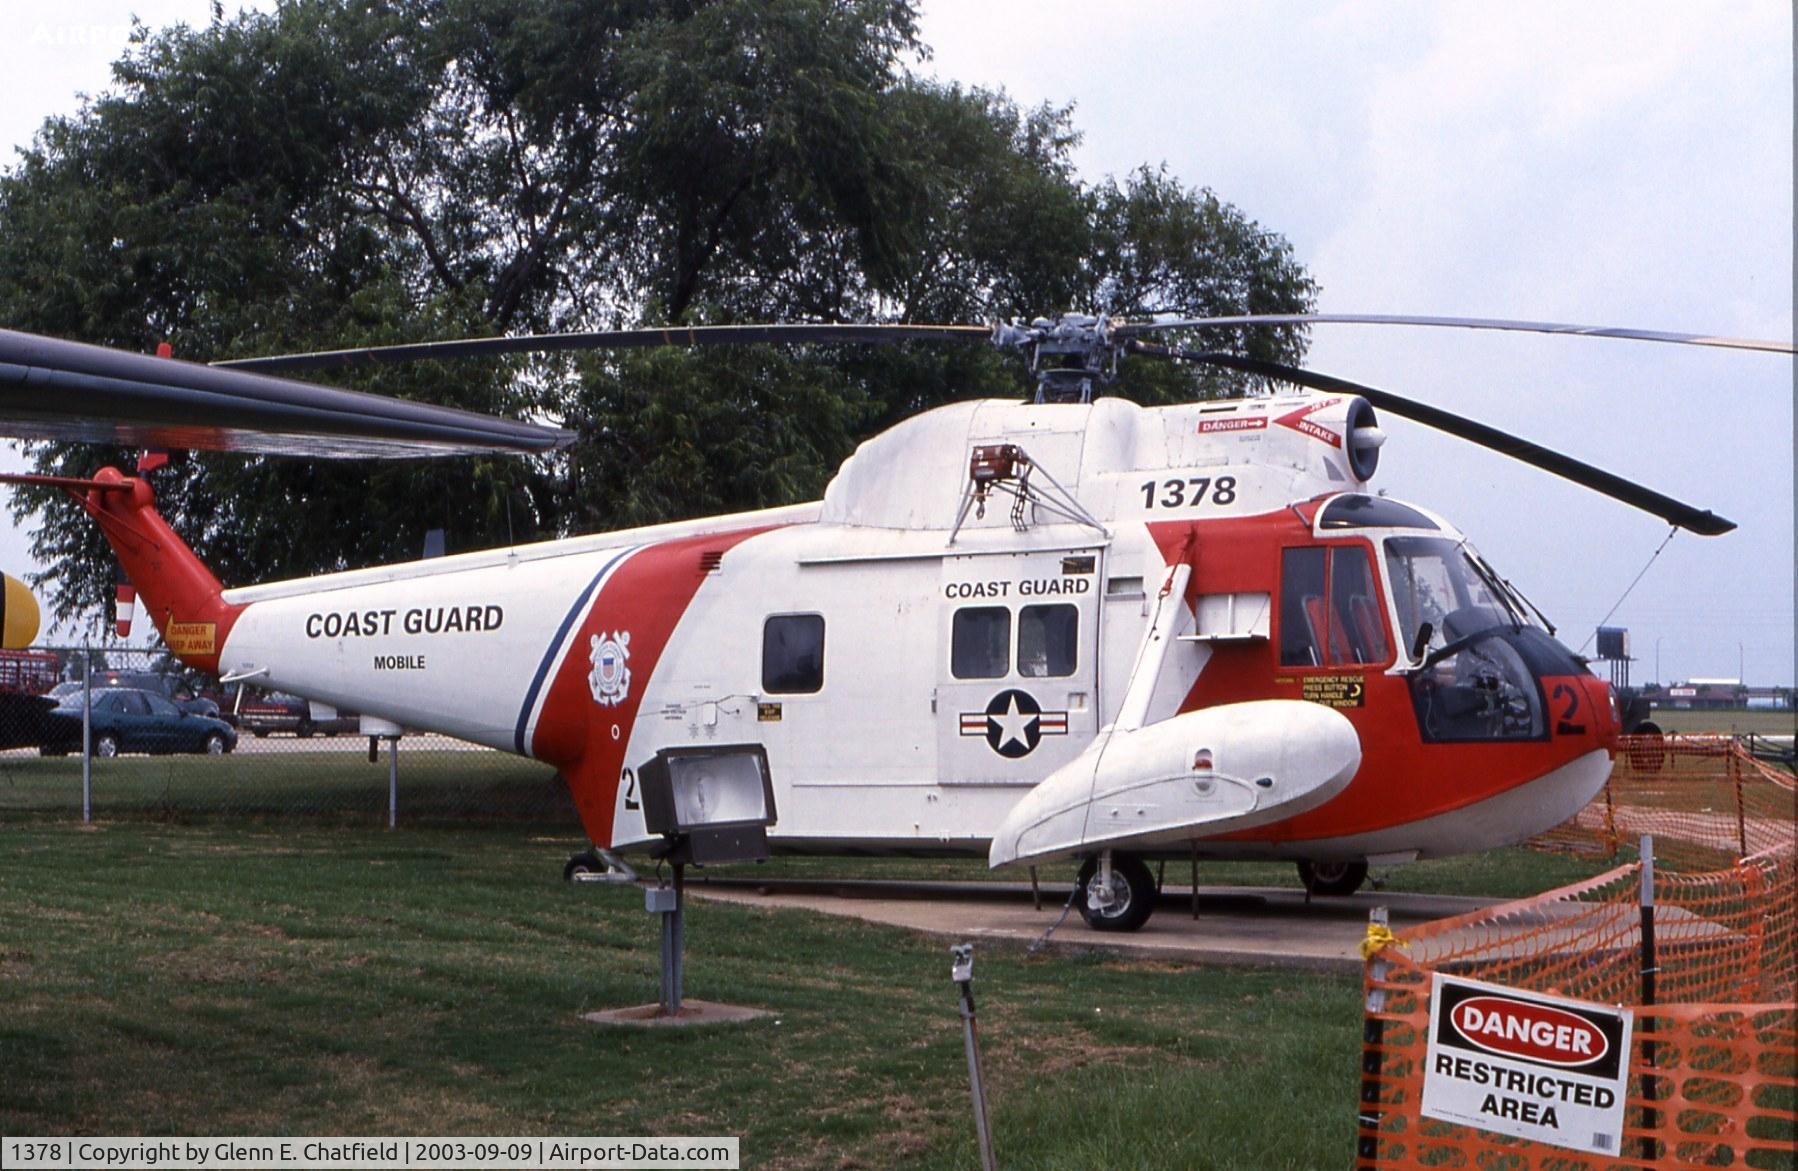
[[1069, 631]]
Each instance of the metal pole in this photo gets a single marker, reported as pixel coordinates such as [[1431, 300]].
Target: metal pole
[[87, 734], [962, 972], [393, 782], [1650, 1116], [673, 944]]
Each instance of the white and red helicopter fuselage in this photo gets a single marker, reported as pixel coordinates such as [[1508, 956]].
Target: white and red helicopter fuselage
[[1029, 631]]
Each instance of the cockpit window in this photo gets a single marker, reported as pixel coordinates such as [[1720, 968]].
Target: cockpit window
[[1357, 511], [1435, 582], [1329, 611]]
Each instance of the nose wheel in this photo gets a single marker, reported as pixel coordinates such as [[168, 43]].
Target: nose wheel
[[1332, 878], [1124, 904]]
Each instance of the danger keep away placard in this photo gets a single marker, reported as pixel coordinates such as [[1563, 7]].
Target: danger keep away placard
[[1519, 1063]]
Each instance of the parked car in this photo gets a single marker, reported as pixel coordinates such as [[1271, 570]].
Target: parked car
[[263, 712], [172, 687], [128, 719]]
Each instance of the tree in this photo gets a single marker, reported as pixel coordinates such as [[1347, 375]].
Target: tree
[[344, 172]]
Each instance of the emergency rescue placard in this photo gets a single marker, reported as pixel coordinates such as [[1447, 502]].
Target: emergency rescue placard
[[1536, 1067], [1334, 690]]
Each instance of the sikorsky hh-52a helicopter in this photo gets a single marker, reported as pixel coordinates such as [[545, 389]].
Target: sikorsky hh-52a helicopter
[[1074, 629]]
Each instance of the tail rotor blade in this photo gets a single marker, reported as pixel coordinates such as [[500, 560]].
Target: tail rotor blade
[[1675, 512]]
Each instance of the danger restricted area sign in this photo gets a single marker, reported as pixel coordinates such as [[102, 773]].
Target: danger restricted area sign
[[1536, 1067]]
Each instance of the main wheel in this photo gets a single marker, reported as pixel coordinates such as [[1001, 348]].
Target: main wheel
[[1132, 894], [1332, 878], [215, 745], [106, 745], [583, 863]]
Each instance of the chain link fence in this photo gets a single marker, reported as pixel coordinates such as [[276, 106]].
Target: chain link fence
[[163, 742]]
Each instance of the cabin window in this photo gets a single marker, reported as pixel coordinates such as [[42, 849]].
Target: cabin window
[[980, 643], [1301, 607], [1048, 640], [793, 654], [1329, 610], [1355, 511]]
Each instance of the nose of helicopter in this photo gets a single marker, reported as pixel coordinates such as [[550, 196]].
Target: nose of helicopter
[[1609, 730]]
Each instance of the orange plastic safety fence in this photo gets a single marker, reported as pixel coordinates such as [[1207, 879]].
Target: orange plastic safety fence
[[1714, 1063], [1706, 800]]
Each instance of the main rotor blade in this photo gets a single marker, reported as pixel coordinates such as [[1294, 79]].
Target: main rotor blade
[[616, 339], [75, 484], [1686, 516], [54, 389], [1134, 328]]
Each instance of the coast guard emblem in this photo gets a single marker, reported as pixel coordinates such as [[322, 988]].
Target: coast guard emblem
[[610, 679]]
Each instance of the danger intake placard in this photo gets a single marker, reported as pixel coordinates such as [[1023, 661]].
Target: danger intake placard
[[1519, 1063]]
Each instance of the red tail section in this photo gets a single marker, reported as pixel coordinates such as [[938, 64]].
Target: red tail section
[[177, 592]]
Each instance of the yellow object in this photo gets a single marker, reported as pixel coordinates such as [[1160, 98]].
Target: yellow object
[[18, 614], [1379, 937]]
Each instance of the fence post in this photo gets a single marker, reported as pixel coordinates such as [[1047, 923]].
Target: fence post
[[87, 733], [1735, 776], [1650, 1116], [393, 782], [1610, 814], [1373, 1057]]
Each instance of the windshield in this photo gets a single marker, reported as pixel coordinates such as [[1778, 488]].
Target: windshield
[[1444, 585]]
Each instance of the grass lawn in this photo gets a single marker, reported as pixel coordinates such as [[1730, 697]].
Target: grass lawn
[[1729, 721], [218, 979], [289, 778]]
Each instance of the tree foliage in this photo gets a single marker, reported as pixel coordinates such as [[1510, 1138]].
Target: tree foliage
[[345, 172]]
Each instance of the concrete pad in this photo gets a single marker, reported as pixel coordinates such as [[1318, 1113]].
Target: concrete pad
[[692, 1013], [1242, 926]]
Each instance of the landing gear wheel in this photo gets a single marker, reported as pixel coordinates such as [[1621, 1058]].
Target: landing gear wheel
[[1332, 878], [107, 745], [1132, 894], [583, 863]]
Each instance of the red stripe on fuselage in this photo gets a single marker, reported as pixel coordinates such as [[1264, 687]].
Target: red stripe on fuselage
[[645, 598]]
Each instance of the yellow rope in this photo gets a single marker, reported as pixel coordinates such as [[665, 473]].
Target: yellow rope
[[1379, 937]]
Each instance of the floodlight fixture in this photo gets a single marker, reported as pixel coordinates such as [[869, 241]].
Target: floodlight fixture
[[712, 803]]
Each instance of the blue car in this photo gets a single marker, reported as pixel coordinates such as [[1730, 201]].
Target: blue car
[[126, 719]]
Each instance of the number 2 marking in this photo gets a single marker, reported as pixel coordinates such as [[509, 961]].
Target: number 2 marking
[[630, 790], [1174, 493]]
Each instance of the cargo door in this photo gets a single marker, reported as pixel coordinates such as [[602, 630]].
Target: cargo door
[[1018, 646]]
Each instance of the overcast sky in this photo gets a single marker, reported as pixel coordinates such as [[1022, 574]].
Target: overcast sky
[[1613, 164]]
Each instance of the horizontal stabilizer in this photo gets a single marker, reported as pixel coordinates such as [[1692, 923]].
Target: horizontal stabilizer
[[1213, 771]]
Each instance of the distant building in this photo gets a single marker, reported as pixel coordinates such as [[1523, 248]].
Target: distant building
[[1702, 694]]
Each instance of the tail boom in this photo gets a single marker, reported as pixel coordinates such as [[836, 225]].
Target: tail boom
[[176, 590]]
